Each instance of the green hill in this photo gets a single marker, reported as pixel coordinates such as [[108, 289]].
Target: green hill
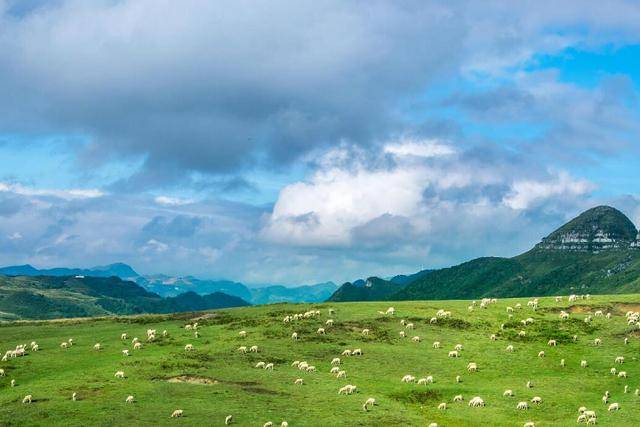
[[596, 252], [47, 297]]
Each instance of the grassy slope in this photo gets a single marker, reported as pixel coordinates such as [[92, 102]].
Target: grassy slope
[[254, 396], [532, 273]]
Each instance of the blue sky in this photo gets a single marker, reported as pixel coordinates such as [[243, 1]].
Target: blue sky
[[293, 142]]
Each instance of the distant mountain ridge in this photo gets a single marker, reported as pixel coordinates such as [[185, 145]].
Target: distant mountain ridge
[[49, 297], [596, 252], [171, 286]]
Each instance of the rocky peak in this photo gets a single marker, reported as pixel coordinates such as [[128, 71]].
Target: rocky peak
[[597, 229]]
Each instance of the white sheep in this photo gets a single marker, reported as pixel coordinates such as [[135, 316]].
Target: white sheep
[[476, 402], [64, 345], [472, 367], [356, 352], [436, 344], [509, 348], [453, 354], [416, 339], [614, 407], [129, 399], [119, 374], [619, 359], [188, 347], [298, 381], [177, 413], [536, 400], [458, 347], [402, 334], [597, 341], [529, 424], [442, 406], [334, 370], [2, 372], [408, 378], [27, 399], [96, 346], [458, 379], [242, 334], [123, 336], [458, 398], [409, 326], [541, 354], [508, 393], [125, 352], [13, 383], [583, 364], [522, 405], [74, 396], [562, 362], [369, 402], [320, 331], [242, 349], [341, 374], [335, 361], [552, 343], [228, 420], [260, 365], [346, 353], [622, 374], [329, 322], [269, 366], [365, 332], [493, 337], [529, 384], [294, 336], [137, 346]]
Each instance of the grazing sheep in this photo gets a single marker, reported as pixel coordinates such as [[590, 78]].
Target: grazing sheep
[[188, 347], [70, 341], [242, 349], [356, 352], [613, 371], [529, 424], [562, 363], [365, 332], [537, 400], [27, 399], [552, 343], [409, 326], [605, 399], [433, 320], [442, 406], [458, 398], [119, 374], [472, 367], [267, 424], [125, 352], [409, 379], [391, 311], [320, 331], [228, 420], [415, 339], [335, 361], [622, 374], [597, 341], [123, 336], [522, 405], [369, 402], [129, 399], [298, 381], [13, 383], [493, 337], [626, 389], [64, 345], [137, 346], [294, 336], [177, 413], [614, 407], [310, 368], [341, 374], [427, 380], [165, 333], [458, 347], [433, 425], [346, 353], [508, 393], [541, 354], [402, 334], [436, 344], [583, 364], [269, 366], [476, 402], [348, 389], [242, 334], [329, 322], [453, 354], [529, 384], [334, 370], [522, 334], [260, 365], [96, 346], [458, 379], [619, 359], [510, 348], [2, 372]]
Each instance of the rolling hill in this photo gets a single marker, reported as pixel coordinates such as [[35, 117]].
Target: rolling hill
[[596, 252], [50, 297]]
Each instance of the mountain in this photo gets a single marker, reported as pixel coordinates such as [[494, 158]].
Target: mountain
[[597, 252], [118, 269], [405, 279], [49, 297], [310, 293], [171, 286], [373, 289]]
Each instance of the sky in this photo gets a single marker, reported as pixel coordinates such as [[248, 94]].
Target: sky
[[297, 142]]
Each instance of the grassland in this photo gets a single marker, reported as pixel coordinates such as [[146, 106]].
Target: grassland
[[215, 379]]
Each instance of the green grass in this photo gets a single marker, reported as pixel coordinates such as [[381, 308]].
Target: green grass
[[255, 396]]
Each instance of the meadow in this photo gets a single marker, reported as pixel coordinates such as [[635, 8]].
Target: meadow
[[215, 379]]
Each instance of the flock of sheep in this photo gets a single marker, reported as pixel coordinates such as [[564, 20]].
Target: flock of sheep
[[584, 415]]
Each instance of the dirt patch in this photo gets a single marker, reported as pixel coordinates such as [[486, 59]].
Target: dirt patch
[[193, 379], [623, 307], [416, 396]]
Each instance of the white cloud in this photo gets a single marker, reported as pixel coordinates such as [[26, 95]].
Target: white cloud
[[526, 193], [15, 236], [172, 201], [66, 194], [419, 148], [154, 245]]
